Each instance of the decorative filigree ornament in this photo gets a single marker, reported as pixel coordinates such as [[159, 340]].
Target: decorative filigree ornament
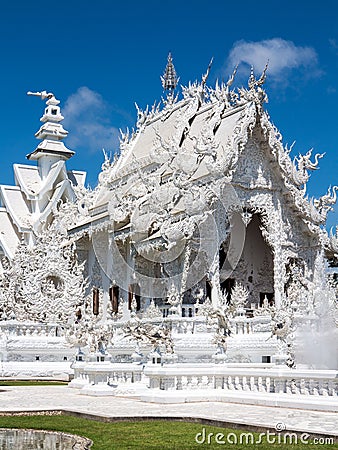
[[46, 283]]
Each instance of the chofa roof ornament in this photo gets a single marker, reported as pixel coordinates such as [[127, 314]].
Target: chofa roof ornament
[[43, 94], [255, 92]]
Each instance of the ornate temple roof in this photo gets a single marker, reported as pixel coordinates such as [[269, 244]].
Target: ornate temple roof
[[205, 135]]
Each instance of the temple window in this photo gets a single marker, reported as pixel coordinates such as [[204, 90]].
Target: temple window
[[226, 287], [134, 289], [114, 293], [208, 289], [96, 301]]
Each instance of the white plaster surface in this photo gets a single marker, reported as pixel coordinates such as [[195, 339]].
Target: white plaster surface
[[30, 398]]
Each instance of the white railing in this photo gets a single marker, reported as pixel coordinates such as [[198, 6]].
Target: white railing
[[272, 380], [107, 373], [16, 328], [238, 325], [248, 378], [188, 310]]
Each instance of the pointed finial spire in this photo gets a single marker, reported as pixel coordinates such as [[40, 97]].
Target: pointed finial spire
[[256, 92], [262, 79], [232, 77], [169, 78], [206, 75], [51, 133], [253, 83], [252, 79]]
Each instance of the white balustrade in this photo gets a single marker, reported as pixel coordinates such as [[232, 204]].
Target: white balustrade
[[265, 380], [107, 373], [16, 328]]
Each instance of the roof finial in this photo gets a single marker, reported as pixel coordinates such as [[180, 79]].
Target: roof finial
[[262, 79], [43, 94], [253, 83], [256, 92], [252, 79], [205, 76], [51, 133], [169, 78]]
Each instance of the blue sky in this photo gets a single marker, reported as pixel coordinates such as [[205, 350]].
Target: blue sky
[[101, 57]]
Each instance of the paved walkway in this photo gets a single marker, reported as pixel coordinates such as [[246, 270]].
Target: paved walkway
[[33, 398]]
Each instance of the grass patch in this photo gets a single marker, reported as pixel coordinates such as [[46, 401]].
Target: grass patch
[[32, 383], [156, 435]]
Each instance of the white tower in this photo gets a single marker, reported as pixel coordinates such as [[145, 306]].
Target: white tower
[[51, 149]]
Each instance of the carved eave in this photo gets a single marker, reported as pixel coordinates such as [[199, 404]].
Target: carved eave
[[51, 148]]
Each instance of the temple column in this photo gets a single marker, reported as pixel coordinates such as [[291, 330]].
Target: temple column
[[186, 267], [130, 273], [215, 280], [278, 275], [106, 282], [273, 231]]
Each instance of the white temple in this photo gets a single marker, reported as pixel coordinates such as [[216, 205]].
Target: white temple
[[198, 261]]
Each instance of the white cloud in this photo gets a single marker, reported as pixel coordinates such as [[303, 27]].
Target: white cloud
[[86, 118], [282, 56], [333, 44]]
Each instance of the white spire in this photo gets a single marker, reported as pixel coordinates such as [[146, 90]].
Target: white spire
[[169, 78], [51, 133]]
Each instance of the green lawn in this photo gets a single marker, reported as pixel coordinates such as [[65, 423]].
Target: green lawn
[[32, 383], [141, 435]]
